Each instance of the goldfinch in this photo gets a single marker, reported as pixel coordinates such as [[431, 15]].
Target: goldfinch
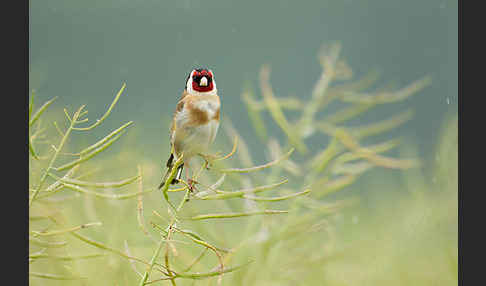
[[195, 122]]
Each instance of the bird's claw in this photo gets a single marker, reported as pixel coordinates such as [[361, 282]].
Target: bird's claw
[[191, 184]]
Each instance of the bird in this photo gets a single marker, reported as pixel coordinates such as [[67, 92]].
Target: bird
[[195, 122]]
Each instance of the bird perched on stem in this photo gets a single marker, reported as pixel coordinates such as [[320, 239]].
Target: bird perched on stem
[[195, 122]]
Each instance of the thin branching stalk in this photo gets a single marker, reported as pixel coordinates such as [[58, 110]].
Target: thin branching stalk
[[105, 139], [46, 243], [140, 217], [167, 232], [236, 214], [276, 111], [39, 112], [235, 145], [257, 168], [169, 179], [328, 62], [73, 121], [86, 157], [151, 263], [106, 196], [274, 199], [132, 264], [242, 193], [54, 276], [99, 121], [371, 156], [65, 258], [106, 185], [196, 260], [104, 247], [63, 231]]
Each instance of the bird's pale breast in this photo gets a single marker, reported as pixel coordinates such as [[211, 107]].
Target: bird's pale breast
[[196, 125]]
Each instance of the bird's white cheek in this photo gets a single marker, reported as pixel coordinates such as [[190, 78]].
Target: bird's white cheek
[[189, 86]]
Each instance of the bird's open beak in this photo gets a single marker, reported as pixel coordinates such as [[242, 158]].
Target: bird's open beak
[[203, 81]]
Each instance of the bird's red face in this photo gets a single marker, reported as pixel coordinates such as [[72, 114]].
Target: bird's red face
[[200, 80]]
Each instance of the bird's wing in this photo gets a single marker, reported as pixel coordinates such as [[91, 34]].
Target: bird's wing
[[177, 114]]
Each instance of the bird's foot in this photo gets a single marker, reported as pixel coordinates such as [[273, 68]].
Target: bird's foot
[[191, 184]]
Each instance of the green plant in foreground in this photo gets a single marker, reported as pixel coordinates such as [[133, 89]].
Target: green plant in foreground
[[255, 239], [54, 179]]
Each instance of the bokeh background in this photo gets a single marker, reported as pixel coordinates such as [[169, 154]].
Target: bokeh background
[[82, 52]]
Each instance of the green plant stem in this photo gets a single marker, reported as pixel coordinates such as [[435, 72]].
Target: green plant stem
[[98, 121], [231, 215], [159, 246], [54, 157], [104, 247], [53, 276], [152, 262]]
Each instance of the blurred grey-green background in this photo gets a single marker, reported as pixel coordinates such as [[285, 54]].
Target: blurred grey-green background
[[403, 231], [82, 51]]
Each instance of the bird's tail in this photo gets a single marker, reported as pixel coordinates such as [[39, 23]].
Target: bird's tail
[[169, 170]]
